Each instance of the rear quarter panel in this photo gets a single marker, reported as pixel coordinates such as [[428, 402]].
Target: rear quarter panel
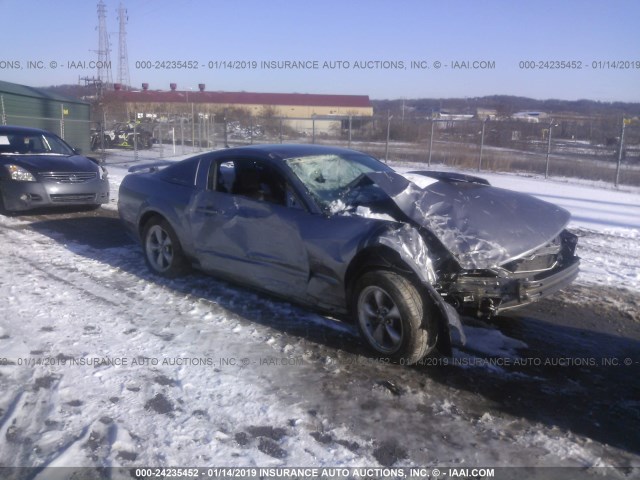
[[144, 194]]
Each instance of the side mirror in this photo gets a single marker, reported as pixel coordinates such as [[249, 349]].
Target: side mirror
[[77, 151]]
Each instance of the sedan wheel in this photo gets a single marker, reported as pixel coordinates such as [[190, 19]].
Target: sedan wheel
[[390, 316], [162, 249]]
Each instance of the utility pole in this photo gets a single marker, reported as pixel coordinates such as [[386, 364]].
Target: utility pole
[[193, 127], [62, 121], [94, 89], [546, 169], [624, 123], [226, 134], [386, 149], [4, 116], [313, 128], [484, 122], [433, 122]]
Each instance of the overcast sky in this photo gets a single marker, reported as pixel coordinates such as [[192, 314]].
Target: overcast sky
[[384, 37]]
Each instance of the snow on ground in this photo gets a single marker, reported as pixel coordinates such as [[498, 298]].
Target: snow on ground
[[107, 365], [186, 358]]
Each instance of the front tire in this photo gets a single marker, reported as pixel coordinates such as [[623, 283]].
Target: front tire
[[162, 250], [3, 210], [390, 314]]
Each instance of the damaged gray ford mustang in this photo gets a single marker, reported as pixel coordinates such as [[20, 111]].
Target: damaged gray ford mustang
[[337, 230]]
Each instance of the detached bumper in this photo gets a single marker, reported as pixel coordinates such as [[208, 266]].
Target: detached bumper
[[533, 290], [20, 196], [489, 295]]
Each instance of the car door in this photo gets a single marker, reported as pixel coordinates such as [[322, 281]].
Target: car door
[[246, 227]]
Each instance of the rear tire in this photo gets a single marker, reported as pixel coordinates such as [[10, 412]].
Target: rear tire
[[162, 249], [390, 314]]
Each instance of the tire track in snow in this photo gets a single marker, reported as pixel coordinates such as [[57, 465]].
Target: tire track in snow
[[75, 283], [333, 395]]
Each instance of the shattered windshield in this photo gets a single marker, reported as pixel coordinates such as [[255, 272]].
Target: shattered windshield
[[329, 177], [32, 144]]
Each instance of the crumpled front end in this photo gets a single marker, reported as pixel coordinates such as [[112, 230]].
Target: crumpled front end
[[519, 282], [508, 248]]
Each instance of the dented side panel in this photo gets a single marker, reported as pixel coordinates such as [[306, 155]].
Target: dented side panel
[[253, 242]]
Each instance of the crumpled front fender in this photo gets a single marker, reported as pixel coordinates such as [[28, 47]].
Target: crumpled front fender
[[414, 252]]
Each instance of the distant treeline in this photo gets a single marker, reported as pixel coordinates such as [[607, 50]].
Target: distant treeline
[[504, 105]]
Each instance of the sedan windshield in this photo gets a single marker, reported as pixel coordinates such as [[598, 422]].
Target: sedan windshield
[[329, 177], [33, 144]]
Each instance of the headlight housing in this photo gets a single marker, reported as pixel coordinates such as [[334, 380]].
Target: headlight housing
[[19, 174]]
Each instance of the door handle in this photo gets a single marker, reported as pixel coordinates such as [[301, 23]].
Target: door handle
[[208, 211]]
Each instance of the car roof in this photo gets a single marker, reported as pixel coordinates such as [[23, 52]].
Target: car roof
[[289, 150], [20, 129]]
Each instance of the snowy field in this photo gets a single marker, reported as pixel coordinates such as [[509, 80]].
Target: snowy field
[[103, 364]]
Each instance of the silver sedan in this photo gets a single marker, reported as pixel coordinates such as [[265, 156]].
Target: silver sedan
[[38, 169]]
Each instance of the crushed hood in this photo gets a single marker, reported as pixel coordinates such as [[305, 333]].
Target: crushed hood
[[482, 226]]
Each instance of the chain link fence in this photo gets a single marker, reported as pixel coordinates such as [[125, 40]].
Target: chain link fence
[[74, 131], [590, 148], [596, 149]]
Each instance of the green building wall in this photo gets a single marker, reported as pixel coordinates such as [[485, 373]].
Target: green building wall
[[31, 107]]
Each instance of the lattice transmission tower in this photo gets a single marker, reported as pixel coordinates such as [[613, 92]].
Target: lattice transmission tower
[[104, 51], [123, 57]]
